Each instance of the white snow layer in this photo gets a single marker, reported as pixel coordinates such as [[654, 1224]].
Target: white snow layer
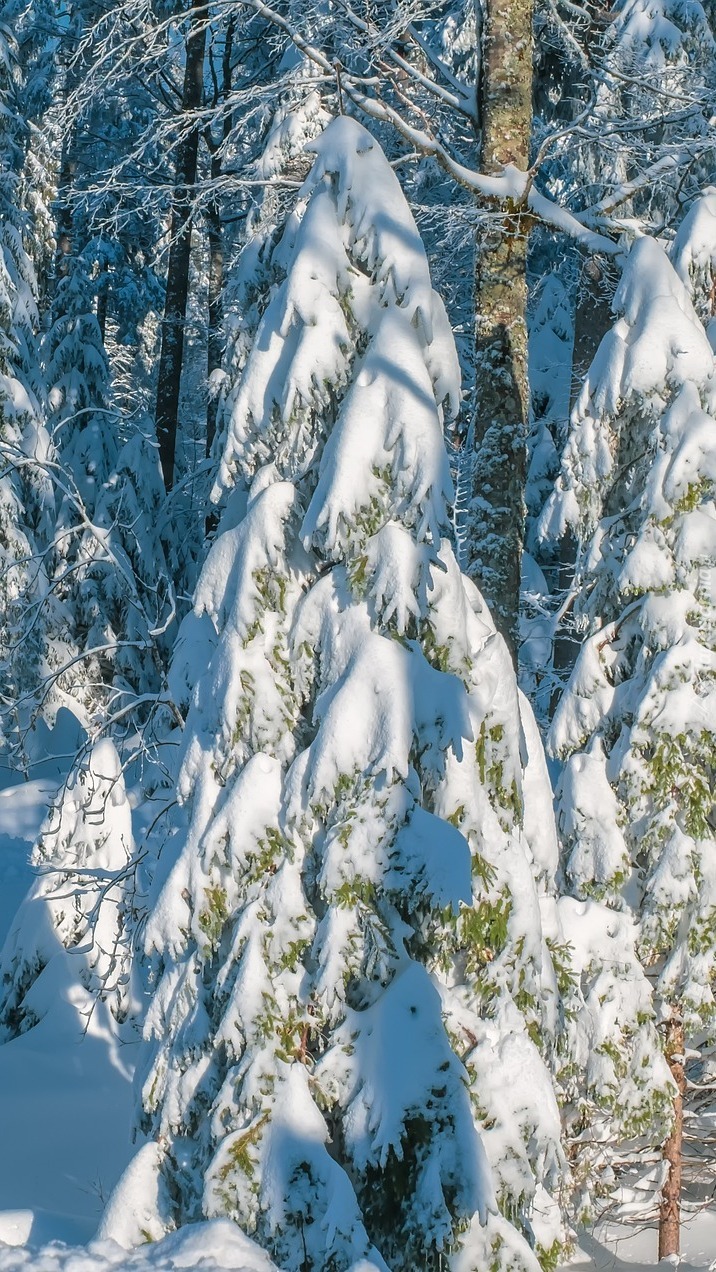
[[214, 1245]]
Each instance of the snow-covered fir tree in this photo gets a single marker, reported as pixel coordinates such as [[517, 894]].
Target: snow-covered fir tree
[[71, 938], [637, 488], [356, 1000]]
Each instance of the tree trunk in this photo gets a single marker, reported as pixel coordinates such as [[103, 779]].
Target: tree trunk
[[566, 641], [593, 318], [670, 1209], [64, 237], [172, 347], [103, 301], [498, 436], [214, 348], [215, 241]]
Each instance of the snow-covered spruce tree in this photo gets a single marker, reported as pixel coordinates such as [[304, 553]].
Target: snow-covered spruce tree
[[637, 486], [634, 159], [71, 938], [693, 254], [551, 339], [36, 91], [122, 598], [83, 425], [354, 984], [111, 584], [22, 581], [24, 495], [292, 125], [618, 1093]]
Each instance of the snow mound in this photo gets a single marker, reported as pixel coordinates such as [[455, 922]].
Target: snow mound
[[216, 1244]]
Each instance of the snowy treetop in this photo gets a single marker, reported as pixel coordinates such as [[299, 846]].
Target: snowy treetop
[[656, 346], [357, 264], [657, 34], [693, 253]]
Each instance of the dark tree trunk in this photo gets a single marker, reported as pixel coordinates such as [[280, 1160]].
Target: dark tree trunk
[[65, 183], [66, 179], [566, 641], [593, 318], [214, 349], [77, 61], [670, 1209], [103, 301], [172, 346], [498, 437], [215, 242]]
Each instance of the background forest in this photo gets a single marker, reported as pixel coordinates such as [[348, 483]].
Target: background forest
[[358, 632]]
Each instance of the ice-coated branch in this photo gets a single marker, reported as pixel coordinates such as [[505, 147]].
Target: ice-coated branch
[[512, 187]]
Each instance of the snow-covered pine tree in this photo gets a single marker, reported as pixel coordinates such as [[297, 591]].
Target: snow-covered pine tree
[[652, 51], [274, 150], [71, 938], [354, 981], [637, 718], [23, 584]]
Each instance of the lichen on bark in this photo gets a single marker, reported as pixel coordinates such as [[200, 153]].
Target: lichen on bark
[[497, 439]]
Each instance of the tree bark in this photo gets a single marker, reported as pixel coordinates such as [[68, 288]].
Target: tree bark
[[172, 346], [215, 348], [103, 301], [64, 236], [593, 318], [498, 436], [670, 1209]]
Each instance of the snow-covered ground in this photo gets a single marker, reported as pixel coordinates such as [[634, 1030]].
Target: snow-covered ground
[[217, 1245], [22, 810], [66, 1109], [65, 1087], [615, 1249]]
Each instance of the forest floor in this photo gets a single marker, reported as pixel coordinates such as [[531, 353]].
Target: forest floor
[[66, 1105]]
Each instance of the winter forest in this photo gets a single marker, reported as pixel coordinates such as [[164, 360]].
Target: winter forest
[[357, 635]]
